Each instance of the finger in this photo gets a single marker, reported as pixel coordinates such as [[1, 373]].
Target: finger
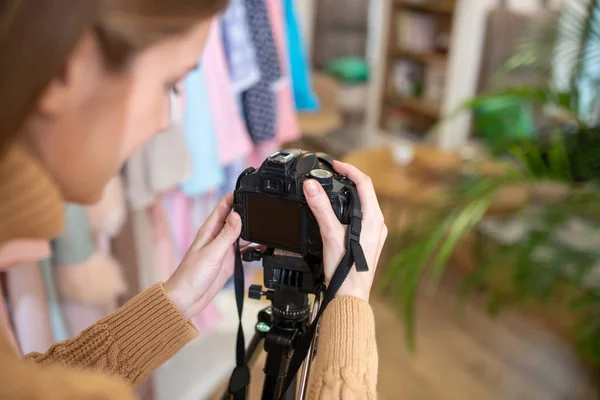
[[364, 186], [320, 205], [216, 285], [214, 223], [382, 239], [226, 237]]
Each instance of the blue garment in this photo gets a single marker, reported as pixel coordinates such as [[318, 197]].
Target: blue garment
[[232, 173], [239, 48], [200, 135], [305, 98], [59, 329], [75, 244], [259, 103]]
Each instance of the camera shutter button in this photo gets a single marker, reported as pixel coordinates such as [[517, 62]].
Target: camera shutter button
[[324, 177]]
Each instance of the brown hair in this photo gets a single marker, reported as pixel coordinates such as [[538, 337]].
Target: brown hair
[[37, 37]]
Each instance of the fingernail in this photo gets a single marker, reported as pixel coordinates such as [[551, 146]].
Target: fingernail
[[312, 188]]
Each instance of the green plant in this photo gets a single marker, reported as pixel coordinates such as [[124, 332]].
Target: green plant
[[544, 265]]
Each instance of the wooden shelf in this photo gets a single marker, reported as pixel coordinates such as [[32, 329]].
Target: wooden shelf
[[427, 58], [433, 7], [416, 105]]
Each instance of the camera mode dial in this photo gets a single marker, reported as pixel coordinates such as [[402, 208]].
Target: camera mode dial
[[324, 177]]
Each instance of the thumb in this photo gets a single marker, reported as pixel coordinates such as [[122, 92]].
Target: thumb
[[227, 236], [319, 203]]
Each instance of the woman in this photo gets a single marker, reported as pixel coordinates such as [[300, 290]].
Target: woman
[[83, 85]]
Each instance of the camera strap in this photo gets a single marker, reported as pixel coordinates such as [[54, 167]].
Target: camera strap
[[354, 255], [240, 379]]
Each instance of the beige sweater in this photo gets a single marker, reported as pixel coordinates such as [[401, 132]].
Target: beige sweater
[[119, 351]]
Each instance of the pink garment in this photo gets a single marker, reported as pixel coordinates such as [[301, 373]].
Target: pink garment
[[232, 137], [78, 316], [23, 251], [29, 306], [163, 241], [6, 327], [262, 151], [208, 319], [288, 129], [178, 213]]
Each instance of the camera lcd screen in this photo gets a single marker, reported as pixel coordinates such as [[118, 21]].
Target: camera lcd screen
[[273, 221]]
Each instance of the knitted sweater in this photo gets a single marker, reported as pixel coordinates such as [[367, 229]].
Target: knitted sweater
[[121, 350]]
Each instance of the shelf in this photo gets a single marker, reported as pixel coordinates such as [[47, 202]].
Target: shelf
[[417, 105], [428, 7], [424, 57]]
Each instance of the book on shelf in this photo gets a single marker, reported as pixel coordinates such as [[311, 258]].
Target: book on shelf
[[407, 78], [416, 32]]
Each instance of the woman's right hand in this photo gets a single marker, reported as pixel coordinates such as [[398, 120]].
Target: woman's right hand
[[373, 235]]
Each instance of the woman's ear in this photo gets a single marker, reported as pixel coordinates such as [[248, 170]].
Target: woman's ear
[[77, 75]]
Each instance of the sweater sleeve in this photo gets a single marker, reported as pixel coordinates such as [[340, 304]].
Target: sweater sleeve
[[129, 343], [346, 363]]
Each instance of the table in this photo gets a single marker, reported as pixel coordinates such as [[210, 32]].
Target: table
[[425, 183]]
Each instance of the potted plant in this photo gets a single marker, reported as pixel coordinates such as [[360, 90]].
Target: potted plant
[[552, 256]]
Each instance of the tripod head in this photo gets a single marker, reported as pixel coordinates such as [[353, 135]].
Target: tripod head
[[288, 279]]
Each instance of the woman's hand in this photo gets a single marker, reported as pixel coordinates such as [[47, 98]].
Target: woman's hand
[[373, 235], [208, 263]]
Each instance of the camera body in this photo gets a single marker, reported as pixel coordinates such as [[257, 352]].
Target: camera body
[[272, 205]]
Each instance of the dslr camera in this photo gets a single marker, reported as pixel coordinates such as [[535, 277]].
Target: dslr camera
[[273, 208]]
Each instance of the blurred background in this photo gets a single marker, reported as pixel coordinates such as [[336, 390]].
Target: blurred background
[[478, 123]]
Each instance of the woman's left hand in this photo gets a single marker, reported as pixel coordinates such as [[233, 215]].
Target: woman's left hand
[[208, 263]]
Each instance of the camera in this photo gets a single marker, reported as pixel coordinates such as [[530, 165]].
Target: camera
[[272, 205]]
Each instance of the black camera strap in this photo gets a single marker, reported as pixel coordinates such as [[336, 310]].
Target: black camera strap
[[354, 255], [240, 379]]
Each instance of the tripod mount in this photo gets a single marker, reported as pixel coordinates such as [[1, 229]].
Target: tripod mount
[[289, 279]]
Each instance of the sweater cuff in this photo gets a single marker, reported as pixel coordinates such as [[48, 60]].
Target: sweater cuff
[[347, 334], [149, 329]]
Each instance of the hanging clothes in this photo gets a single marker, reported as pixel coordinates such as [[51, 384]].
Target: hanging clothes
[[232, 137], [55, 312], [288, 128], [75, 244], [240, 50], [162, 165], [6, 326], [163, 241], [305, 98], [84, 276], [23, 251], [259, 103], [177, 206], [232, 172], [29, 308], [13, 255], [200, 135], [78, 316], [261, 152]]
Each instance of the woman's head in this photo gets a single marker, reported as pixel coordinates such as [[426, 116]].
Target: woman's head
[[83, 84]]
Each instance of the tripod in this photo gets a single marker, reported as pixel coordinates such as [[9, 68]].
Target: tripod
[[289, 280]]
